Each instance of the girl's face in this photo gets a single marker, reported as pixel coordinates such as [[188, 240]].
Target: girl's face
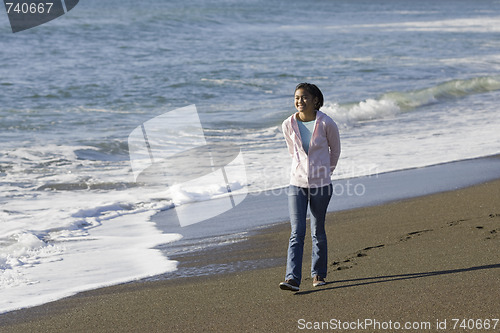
[[304, 101]]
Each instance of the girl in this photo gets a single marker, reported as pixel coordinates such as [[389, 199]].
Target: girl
[[313, 142]]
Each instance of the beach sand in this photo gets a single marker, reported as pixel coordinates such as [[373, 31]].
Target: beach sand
[[421, 260]]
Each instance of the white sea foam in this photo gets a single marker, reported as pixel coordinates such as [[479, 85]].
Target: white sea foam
[[349, 115], [476, 24], [64, 217], [55, 242]]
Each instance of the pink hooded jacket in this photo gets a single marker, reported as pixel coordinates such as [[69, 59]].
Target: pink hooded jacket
[[315, 169]]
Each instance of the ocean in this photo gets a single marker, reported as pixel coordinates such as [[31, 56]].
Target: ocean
[[409, 83]]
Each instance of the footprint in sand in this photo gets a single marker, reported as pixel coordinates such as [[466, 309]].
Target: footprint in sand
[[493, 234], [410, 235], [359, 254], [457, 222]]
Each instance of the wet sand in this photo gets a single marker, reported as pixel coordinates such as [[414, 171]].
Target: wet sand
[[422, 261]]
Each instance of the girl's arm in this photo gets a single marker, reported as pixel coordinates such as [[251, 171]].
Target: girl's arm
[[333, 137], [288, 139]]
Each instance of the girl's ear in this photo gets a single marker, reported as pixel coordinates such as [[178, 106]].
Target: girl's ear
[[316, 102]]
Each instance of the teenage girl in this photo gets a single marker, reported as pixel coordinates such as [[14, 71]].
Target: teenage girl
[[313, 142]]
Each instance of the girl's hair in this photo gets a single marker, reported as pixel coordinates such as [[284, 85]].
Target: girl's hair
[[314, 91]]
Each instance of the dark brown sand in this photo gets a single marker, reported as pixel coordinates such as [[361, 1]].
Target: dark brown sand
[[421, 261]]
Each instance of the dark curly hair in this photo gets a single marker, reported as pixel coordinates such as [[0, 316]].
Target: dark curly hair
[[314, 91]]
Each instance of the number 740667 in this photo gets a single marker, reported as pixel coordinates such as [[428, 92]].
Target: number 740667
[[29, 8]]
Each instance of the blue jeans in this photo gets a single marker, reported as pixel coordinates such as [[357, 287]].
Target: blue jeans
[[298, 200]]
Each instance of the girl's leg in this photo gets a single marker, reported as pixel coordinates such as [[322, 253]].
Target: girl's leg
[[319, 199], [297, 205]]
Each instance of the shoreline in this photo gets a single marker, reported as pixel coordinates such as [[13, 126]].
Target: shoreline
[[434, 256], [270, 208]]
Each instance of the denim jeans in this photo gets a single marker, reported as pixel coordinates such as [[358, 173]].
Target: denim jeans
[[298, 200]]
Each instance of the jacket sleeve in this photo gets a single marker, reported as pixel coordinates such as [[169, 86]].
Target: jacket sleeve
[[333, 137], [288, 139]]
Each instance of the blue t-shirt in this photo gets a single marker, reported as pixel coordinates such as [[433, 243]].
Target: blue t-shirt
[[306, 129]]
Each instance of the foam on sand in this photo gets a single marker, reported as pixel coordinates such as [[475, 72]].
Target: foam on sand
[[81, 247]]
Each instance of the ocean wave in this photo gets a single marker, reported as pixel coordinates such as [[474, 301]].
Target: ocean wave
[[392, 103], [444, 91]]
